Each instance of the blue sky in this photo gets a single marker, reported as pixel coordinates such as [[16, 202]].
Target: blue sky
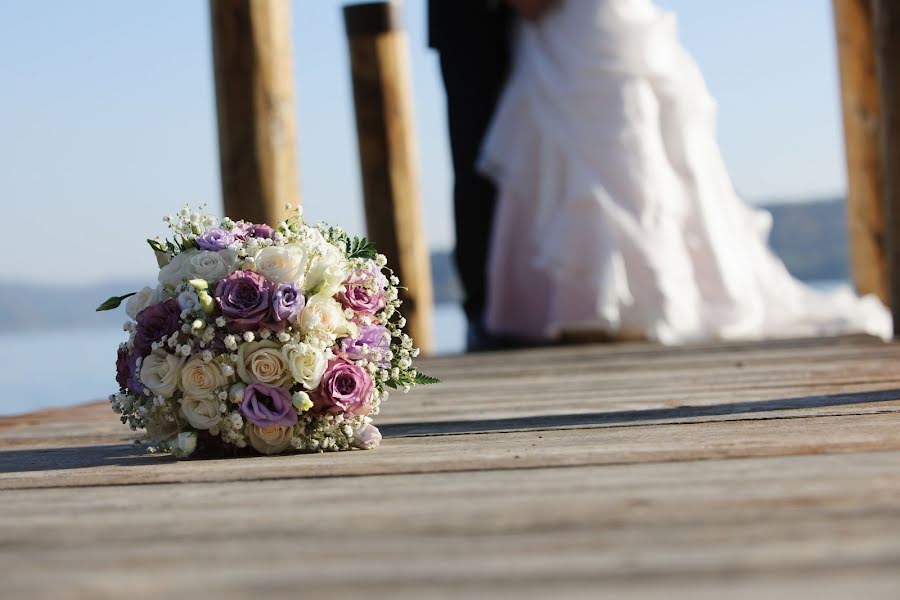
[[107, 119]]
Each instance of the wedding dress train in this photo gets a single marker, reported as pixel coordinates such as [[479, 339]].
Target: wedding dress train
[[615, 210]]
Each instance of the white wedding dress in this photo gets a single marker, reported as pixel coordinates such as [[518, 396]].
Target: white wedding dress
[[615, 210]]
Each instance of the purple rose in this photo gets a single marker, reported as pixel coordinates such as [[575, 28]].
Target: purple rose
[[376, 338], [265, 405], [155, 322], [243, 298], [345, 388], [244, 230], [134, 381], [127, 372], [261, 231], [215, 239], [122, 369], [287, 302]]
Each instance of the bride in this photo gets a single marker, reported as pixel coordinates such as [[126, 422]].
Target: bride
[[615, 210]]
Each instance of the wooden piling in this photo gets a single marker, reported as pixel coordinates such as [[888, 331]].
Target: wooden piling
[[253, 65], [859, 94], [886, 24], [388, 156]]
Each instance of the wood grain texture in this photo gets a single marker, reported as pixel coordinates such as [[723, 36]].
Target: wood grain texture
[[886, 24], [254, 75], [721, 470], [379, 65], [859, 94]]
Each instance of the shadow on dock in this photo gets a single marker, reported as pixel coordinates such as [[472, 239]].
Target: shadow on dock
[[627, 417], [128, 455], [77, 457]]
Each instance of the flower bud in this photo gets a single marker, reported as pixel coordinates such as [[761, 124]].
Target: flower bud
[[236, 392], [207, 303], [183, 444], [301, 401]]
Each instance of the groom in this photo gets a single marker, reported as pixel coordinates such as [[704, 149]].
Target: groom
[[473, 40]]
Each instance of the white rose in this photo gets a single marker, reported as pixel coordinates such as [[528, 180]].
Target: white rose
[[324, 314], [174, 272], [199, 378], [160, 372], [307, 364], [183, 444], [262, 362], [142, 300], [271, 439], [328, 271], [202, 412], [211, 266], [282, 264], [198, 264]]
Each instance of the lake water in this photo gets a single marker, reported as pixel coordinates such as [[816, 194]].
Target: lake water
[[41, 369]]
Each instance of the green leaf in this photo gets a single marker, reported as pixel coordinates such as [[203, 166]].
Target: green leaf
[[360, 248], [158, 246], [423, 379], [114, 302]]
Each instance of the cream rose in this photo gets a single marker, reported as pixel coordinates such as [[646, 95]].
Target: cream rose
[[282, 264], [202, 412], [262, 362], [160, 372], [271, 439], [324, 314], [142, 300], [307, 364], [199, 378]]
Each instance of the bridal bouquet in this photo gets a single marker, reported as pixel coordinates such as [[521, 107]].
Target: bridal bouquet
[[268, 338]]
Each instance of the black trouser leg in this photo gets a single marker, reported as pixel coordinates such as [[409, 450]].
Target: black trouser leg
[[474, 70]]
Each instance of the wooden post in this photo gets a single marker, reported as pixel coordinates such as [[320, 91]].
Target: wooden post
[[886, 20], [859, 94], [255, 99], [387, 155]]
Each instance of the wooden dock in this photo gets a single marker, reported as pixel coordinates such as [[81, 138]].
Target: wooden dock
[[738, 471]]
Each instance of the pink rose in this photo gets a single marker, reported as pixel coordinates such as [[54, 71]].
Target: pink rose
[[365, 290], [345, 388]]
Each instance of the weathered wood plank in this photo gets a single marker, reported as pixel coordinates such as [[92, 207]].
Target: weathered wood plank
[[733, 470], [532, 448], [886, 27], [637, 527], [496, 388]]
